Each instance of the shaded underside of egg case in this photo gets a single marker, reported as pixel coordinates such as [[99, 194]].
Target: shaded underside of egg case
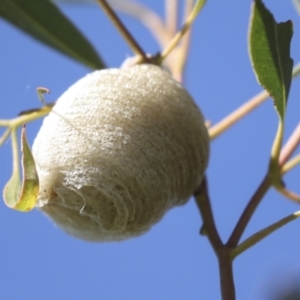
[[120, 148]]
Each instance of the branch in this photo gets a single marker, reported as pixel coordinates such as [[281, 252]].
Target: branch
[[238, 114], [226, 274], [171, 16], [186, 26], [223, 252], [257, 237], [291, 164], [146, 16], [290, 146], [123, 30], [243, 110], [209, 226], [248, 212]]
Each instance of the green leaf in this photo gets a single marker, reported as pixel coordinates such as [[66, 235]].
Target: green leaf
[[26, 199], [43, 20], [269, 44]]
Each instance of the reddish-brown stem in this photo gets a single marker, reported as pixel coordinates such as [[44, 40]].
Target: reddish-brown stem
[[203, 202], [240, 227], [122, 29], [248, 212], [226, 274], [223, 252]]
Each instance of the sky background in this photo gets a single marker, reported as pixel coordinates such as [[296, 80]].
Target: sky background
[[171, 261]]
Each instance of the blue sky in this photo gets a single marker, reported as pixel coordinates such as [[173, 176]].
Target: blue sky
[[171, 261]]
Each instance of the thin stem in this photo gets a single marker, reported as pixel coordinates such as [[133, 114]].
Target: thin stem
[[238, 114], [223, 252], [226, 274], [187, 38], [292, 163], [260, 235], [4, 123], [177, 59], [5, 136], [186, 26], [243, 110], [123, 30], [26, 117], [146, 16], [263, 188], [203, 202], [275, 152], [290, 146], [252, 205], [276, 171], [288, 194], [171, 16], [183, 48], [274, 168], [248, 212]]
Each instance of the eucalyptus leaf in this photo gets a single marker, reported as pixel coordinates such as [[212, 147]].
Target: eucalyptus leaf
[[269, 47], [43, 20], [12, 190], [23, 198]]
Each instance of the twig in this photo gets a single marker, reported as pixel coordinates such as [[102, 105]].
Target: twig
[[171, 9], [243, 110], [5, 136], [238, 114], [258, 236], [186, 40], [226, 274], [223, 252], [203, 202], [290, 146], [186, 26], [27, 117], [24, 117], [181, 52], [291, 164], [285, 154], [123, 30], [248, 212], [146, 16]]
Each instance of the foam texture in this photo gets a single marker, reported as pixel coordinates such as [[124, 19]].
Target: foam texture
[[120, 148]]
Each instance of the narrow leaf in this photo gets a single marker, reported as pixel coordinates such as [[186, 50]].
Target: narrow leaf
[[26, 199], [269, 47], [43, 20], [12, 190], [269, 44]]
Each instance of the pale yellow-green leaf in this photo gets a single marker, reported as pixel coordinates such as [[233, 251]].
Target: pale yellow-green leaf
[[24, 198]]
